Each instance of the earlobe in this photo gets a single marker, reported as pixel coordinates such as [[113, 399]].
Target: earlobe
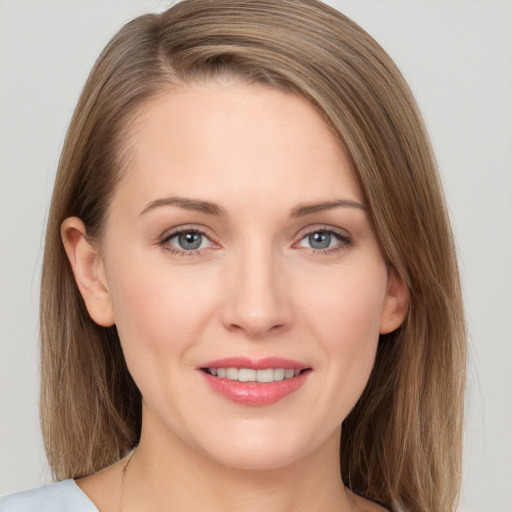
[[89, 271], [396, 303]]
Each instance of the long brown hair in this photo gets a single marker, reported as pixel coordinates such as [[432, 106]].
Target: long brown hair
[[401, 444]]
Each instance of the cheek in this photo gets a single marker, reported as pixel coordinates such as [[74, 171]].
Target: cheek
[[158, 308], [345, 319], [159, 314], [349, 305]]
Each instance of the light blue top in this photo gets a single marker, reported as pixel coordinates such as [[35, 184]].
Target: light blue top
[[63, 496]]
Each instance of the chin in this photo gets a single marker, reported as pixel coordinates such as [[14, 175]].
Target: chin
[[262, 450], [265, 460]]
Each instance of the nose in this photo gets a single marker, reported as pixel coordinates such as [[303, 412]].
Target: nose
[[258, 300]]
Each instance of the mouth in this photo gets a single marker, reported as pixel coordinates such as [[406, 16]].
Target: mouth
[[251, 382], [265, 375]]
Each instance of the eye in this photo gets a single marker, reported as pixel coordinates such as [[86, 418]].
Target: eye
[[187, 240], [319, 240], [324, 239]]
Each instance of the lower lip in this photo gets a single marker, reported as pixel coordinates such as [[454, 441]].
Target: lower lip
[[255, 393]]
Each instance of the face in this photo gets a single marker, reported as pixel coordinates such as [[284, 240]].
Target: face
[[238, 246]]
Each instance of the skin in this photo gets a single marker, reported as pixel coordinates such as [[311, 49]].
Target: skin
[[256, 287]]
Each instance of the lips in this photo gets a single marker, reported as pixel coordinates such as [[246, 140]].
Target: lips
[[252, 375], [255, 382]]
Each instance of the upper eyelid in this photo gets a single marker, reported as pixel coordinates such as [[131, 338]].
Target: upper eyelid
[[163, 242], [171, 233], [322, 227], [301, 234], [344, 238]]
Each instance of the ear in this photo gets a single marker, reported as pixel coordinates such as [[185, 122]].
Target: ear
[[89, 271], [396, 303]]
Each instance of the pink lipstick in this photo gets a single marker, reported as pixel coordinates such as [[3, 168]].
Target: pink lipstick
[[255, 382]]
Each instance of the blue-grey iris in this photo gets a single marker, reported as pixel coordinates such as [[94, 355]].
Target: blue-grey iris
[[190, 240], [319, 240]]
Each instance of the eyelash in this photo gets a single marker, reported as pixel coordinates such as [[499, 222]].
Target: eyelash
[[344, 241], [164, 242]]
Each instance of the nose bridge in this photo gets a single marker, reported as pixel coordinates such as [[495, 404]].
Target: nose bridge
[[257, 300]]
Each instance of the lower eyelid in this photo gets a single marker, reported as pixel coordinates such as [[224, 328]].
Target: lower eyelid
[[343, 239], [175, 249]]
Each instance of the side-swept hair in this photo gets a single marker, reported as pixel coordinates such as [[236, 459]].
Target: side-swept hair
[[401, 444]]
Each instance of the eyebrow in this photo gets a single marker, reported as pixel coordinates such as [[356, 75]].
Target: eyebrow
[[187, 204], [214, 209], [307, 209]]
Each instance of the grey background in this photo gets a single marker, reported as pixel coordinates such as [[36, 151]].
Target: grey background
[[457, 57]]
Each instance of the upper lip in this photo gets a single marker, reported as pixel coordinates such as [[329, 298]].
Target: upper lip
[[255, 364]]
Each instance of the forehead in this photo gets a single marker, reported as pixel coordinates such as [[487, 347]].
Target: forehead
[[223, 139]]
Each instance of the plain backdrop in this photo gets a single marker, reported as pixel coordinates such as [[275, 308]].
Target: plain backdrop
[[457, 57]]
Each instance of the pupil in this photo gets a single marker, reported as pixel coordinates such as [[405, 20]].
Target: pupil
[[320, 240], [189, 241]]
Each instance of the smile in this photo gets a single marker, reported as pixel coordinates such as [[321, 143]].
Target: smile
[[255, 382], [253, 375]]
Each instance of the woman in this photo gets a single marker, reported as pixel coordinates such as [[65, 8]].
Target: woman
[[250, 248]]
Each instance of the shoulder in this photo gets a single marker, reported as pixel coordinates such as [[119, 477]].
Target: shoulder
[[64, 496]]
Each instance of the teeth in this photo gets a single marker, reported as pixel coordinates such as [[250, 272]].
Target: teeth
[[278, 374], [246, 375], [232, 373], [265, 375], [250, 375]]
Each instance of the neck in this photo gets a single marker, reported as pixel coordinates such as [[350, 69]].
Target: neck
[[173, 473]]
